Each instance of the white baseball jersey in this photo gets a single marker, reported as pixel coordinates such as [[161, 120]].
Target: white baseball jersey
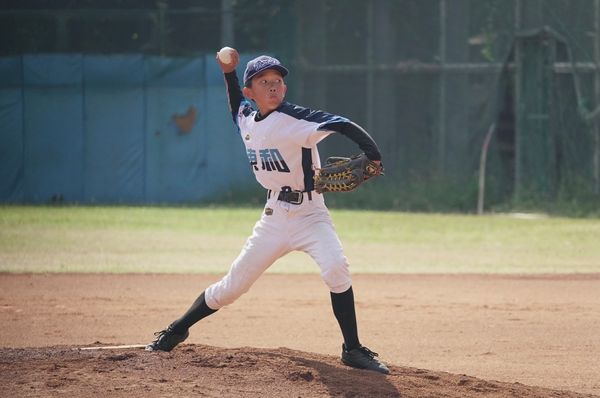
[[282, 148]]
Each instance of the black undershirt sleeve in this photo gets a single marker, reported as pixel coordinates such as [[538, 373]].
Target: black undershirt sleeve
[[234, 93], [358, 135]]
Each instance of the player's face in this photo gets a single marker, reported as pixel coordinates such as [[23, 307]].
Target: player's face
[[267, 91]]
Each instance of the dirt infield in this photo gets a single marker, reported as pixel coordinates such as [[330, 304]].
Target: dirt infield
[[455, 336]]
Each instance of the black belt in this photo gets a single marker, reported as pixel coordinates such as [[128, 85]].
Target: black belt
[[289, 196]]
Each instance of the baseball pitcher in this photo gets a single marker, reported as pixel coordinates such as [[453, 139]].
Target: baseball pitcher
[[281, 140]]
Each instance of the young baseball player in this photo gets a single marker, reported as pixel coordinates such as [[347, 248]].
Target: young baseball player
[[281, 144]]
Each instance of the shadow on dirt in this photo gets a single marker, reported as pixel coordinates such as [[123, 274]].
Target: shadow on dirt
[[339, 381]]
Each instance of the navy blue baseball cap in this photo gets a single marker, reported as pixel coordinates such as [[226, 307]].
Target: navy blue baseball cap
[[262, 63]]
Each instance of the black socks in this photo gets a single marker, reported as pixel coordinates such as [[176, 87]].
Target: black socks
[[197, 311], [342, 303], [343, 308]]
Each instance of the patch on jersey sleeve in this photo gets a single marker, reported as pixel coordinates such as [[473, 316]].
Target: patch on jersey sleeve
[[245, 109]]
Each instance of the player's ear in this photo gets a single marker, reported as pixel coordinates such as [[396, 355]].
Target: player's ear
[[247, 91]]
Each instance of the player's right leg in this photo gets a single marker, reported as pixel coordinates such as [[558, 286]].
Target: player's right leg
[[166, 339], [266, 244], [177, 331]]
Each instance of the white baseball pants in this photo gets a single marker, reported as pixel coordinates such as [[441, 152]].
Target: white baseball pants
[[305, 227]]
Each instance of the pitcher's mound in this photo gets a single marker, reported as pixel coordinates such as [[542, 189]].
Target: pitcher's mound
[[197, 370]]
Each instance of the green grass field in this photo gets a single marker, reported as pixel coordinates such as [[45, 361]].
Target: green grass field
[[206, 240]]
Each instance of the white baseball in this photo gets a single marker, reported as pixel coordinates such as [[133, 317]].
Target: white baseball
[[225, 54]]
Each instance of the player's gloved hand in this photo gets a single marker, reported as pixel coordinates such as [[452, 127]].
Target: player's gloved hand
[[346, 174]]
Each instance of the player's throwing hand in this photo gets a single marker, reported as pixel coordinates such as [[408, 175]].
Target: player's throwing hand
[[228, 58]]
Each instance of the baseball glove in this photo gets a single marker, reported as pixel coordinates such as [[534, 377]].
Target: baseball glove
[[345, 174]]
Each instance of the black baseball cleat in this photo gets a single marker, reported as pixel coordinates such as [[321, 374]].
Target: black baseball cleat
[[363, 358], [166, 340]]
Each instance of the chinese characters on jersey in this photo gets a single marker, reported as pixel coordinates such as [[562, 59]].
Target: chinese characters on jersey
[[270, 160]]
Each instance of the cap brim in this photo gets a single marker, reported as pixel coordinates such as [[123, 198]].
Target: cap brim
[[281, 69]]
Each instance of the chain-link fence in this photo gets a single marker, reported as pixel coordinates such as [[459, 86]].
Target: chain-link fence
[[429, 79]]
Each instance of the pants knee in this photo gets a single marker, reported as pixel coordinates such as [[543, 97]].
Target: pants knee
[[224, 292], [336, 276]]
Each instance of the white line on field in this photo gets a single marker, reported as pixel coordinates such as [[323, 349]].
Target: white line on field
[[112, 347]]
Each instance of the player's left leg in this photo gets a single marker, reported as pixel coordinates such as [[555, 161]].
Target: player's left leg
[[317, 237]]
